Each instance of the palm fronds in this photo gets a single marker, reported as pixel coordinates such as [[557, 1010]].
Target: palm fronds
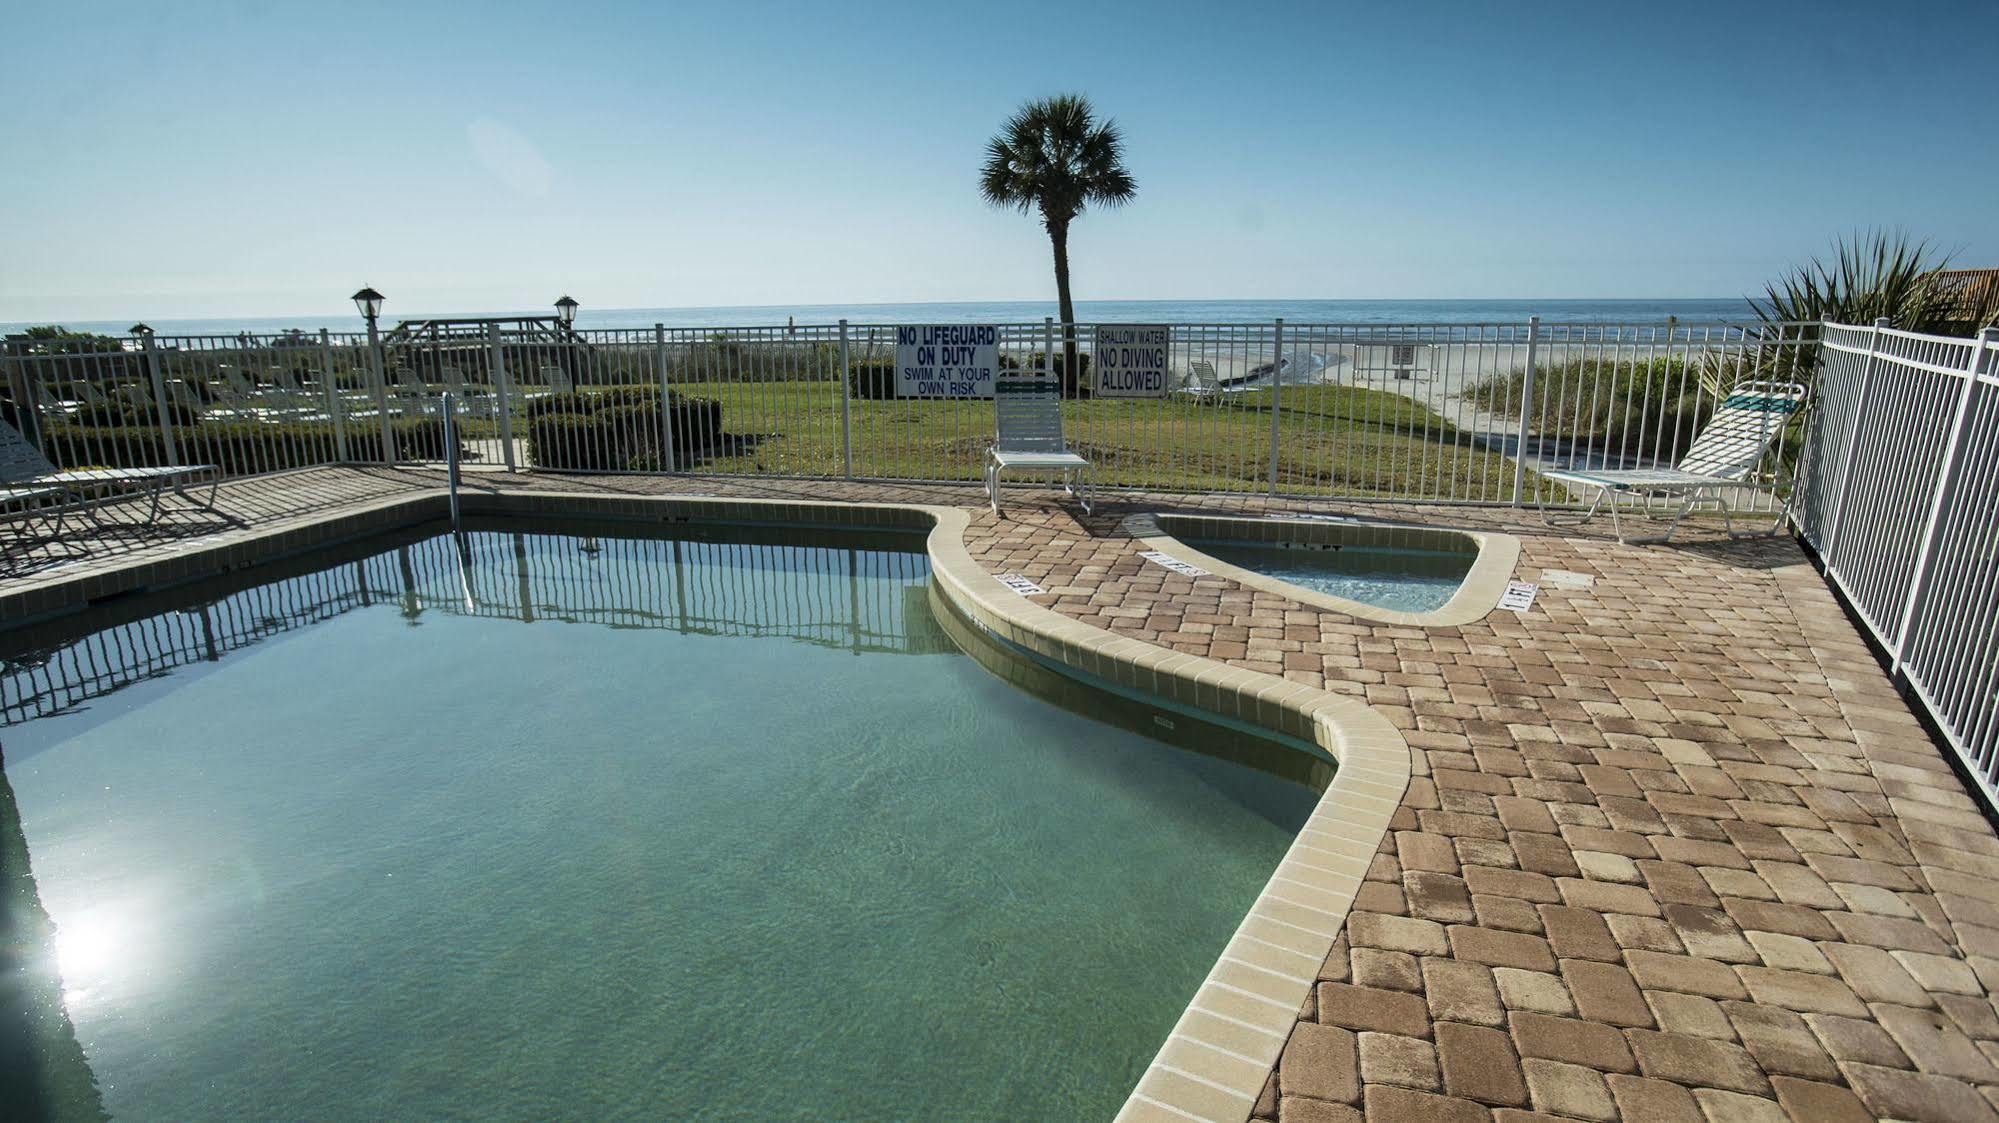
[[1880, 274]]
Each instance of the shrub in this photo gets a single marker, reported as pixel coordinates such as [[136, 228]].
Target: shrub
[[117, 412], [1614, 406], [1073, 386], [871, 380], [619, 430], [238, 447]]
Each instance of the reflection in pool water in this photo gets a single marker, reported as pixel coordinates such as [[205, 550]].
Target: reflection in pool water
[[718, 825]]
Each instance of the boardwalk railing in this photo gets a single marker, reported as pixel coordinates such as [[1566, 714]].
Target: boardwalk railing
[[1899, 495], [1465, 413]]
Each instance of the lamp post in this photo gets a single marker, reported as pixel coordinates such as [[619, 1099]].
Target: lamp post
[[142, 334], [369, 302], [565, 311]]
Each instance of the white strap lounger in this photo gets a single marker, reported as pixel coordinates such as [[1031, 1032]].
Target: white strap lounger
[[1721, 459], [22, 466], [1027, 413], [1201, 381]]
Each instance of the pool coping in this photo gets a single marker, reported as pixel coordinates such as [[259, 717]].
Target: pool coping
[[1476, 596], [1221, 1052]]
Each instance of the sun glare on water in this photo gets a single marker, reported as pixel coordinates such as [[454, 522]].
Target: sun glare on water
[[93, 949]]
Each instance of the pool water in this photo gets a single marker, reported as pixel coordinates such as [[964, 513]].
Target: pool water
[[1401, 578], [533, 825]]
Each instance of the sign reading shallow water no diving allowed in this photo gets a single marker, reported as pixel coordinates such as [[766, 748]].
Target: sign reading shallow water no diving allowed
[[1130, 360], [946, 360]]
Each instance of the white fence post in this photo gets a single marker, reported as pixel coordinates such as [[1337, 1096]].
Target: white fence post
[[1852, 443], [846, 409], [670, 454], [160, 398], [503, 398], [1276, 381], [329, 387], [1946, 473], [1526, 412], [376, 367]]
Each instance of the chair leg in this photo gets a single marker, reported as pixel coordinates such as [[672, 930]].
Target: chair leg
[[1549, 518], [214, 485]]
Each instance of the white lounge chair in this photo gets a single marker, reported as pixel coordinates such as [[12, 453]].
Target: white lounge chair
[[1201, 379], [1027, 413], [22, 507], [1720, 460], [24, 468]]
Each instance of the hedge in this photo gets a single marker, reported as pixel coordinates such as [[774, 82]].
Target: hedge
[[619, 430], [871, 380], [1036, 360], [239, 447]]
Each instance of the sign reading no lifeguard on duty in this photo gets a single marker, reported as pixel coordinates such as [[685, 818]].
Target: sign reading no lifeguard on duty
[[1130, 360], [946, 361]]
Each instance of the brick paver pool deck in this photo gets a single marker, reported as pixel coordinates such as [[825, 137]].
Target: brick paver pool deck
[[1672, 847]]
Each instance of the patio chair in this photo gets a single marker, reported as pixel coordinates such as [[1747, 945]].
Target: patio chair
[[24, 468], [1201, 379], [1721, 459], [1027, 414]]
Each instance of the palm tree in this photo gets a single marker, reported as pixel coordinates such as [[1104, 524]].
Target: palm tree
[[1054, 155]]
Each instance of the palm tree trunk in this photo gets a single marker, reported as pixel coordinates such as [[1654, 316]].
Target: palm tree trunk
[[1071, 378]]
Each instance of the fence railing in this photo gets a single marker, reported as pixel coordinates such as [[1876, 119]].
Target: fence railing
[[850, 598], [1898, 493], [1421, 412]]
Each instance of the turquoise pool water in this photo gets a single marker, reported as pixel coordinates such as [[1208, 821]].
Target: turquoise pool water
[[1407, 580], [721, 826]]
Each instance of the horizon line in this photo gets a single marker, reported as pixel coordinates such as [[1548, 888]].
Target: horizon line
[[588, 309]]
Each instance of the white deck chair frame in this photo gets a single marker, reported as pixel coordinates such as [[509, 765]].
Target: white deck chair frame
[[23, 468], [1722, 458], [1201, 381], [1027, 426]]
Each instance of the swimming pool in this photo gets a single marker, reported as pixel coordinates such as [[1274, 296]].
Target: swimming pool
[[1394, 573], [535, 824], [1403, 580]]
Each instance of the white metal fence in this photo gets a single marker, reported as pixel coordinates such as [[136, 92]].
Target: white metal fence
[[1425, 412], [1899, 495], [861, 597]]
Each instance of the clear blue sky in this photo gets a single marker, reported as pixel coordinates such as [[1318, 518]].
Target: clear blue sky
[[267, 159]]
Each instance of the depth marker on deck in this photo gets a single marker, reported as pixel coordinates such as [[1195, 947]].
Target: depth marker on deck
[[1020, 584], [1519, 596], [1175, 564]]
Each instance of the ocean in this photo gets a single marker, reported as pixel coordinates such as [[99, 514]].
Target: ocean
[[1634, 311]]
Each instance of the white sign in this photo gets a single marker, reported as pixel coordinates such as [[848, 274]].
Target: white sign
[[1173, 563], [1519, 596], [1130, 360], [946, 360], [1021, 585]]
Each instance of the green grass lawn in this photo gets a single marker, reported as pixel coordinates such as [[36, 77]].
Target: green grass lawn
[[1333, 440]]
